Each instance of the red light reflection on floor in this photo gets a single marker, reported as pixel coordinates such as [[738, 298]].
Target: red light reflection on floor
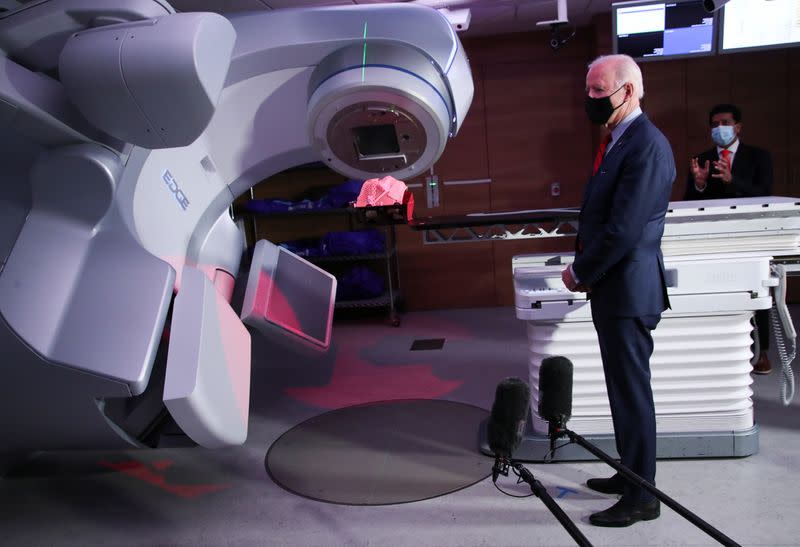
[[152, 475], [356, 381]]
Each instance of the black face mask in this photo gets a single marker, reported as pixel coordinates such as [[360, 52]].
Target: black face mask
[[600, 110]]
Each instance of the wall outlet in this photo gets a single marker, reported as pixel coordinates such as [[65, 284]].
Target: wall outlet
[[555, 189]]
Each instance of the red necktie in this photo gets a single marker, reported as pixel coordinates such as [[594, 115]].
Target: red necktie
[[726, 155], [598, 158]]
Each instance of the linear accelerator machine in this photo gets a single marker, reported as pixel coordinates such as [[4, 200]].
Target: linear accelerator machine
[[724, 260], [126, 131]]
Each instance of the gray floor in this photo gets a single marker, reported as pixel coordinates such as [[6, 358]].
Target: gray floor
[[204, 497]]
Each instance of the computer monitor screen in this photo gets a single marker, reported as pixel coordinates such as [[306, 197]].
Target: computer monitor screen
[[748, 24], [663, 30]]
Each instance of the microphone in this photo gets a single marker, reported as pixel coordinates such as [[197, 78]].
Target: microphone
[[507, 422], [555, 395]]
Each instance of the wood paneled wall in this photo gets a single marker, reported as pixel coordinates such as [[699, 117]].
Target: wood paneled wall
[[526, 129]]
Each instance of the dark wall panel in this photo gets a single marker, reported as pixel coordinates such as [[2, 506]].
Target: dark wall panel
[[665, 103]]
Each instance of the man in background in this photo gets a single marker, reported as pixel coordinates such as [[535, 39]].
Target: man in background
[[618, 262], [732, 169]]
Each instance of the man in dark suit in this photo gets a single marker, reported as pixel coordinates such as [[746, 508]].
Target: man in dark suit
[[732, 169], [618, 262]]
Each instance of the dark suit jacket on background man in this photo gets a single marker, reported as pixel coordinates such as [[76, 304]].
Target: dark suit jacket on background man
[[751, 172]]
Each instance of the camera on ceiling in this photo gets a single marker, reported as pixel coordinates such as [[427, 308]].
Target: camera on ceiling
[[556, 41], [713, 5], [557, 37]]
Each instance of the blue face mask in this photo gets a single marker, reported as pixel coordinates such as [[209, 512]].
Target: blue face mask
[[723, 135]]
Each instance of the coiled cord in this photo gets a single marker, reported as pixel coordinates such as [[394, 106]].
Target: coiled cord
[[785, 335]]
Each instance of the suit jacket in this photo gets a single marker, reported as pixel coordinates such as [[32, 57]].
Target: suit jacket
[[621, 223], [751, 175]]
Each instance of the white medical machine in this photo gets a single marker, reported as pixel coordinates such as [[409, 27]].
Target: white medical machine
[[126, 132], [724, 260]]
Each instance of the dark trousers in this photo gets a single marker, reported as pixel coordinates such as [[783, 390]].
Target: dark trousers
[[626, 345], [763, 326]]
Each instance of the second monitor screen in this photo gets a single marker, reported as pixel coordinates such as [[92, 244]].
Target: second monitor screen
[[645, 30]]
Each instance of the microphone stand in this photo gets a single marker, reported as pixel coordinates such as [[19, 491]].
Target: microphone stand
[[640, 482], [541, 492], [501, 467]]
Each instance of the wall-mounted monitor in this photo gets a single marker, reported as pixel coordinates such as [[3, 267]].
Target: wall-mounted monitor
[[748, 24], [649, 29]]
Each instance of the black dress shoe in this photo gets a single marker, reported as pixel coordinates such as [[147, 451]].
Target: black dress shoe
[[611, 485], [625, 513], [763, 365]]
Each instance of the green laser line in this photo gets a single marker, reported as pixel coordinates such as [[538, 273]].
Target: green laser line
[[364, 57]]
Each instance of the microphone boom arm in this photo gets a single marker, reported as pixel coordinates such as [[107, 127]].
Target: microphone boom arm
[[640, 482], [541, 492]]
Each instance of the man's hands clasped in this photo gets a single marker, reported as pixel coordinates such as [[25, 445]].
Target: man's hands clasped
[[569, 281]]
